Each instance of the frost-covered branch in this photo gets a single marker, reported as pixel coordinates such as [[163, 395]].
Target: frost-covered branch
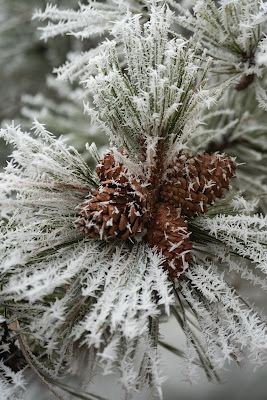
[[158, 96], [230, 31]]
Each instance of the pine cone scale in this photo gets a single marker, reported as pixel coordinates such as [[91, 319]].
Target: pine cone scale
[[122, 206], [192, 183], [167, 230]]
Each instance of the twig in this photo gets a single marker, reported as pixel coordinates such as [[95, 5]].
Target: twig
[[16, 328]]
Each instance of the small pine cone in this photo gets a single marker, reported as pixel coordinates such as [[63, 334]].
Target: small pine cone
[[167, 230], [244, 82], [115, 211], [194, 182], [109, 170]]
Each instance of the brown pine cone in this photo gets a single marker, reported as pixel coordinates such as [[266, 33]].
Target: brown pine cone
[[116, 210], [193, 182], [167, 230], [108, 170]]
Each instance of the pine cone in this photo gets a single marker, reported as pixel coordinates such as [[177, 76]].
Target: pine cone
[[167, 230], [121, 207], [194, 182], [108, 170], [116, 211]]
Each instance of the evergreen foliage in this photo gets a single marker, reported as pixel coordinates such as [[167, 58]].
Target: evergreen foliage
[[61, 110], [76, 303]]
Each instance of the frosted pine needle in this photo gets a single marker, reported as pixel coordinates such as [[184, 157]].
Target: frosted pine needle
[[233, 34], [100, 301], [149, 102]]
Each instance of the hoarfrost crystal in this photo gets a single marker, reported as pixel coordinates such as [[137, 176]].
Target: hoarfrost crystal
[[83, 302]]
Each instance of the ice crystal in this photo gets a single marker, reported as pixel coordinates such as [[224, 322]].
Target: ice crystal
[[232, 33], [61, 110], [90, 20], [159, 96], [12, 385], [226, 321], [108, 288], [101, 300], [237, 125]]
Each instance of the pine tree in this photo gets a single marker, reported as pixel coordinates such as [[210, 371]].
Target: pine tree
[[90, 260]]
